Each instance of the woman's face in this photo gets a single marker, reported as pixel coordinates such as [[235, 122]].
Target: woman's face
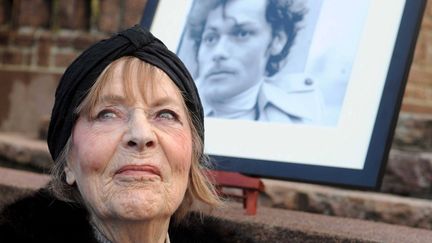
[[234, 48], [130, 158]]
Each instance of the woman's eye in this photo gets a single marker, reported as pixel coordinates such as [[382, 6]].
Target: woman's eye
[[106, 115], [167, 115]]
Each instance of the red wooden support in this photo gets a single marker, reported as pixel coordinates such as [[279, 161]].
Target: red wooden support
[[250, 187]]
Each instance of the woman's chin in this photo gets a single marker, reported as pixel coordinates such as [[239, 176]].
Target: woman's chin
[[136, 180], [140, 205]]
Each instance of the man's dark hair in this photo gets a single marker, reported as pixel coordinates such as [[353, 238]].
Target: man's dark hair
[[280, 14]]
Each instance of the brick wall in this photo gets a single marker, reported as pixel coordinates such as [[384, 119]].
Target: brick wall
[[39, 38], [418, 93], [50, 33]]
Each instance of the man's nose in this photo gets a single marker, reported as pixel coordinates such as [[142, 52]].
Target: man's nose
[[221, 50], [140, 134]]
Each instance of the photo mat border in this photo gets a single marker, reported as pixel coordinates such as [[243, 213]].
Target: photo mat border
[[370, 176]]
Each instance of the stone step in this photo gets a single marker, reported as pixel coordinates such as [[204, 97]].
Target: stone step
[[23, 151], [407, 173], [17, 183], [276, 225], [327, 200], [268, 225]]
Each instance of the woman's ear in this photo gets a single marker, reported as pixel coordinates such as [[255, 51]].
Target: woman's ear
[[70, 176], [278, 42]]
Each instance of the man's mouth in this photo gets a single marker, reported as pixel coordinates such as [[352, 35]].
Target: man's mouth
[[220, 73]]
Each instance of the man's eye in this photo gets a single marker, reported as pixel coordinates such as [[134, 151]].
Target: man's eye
[[242, 34], [106, 115], [167, 115], [210, 38]]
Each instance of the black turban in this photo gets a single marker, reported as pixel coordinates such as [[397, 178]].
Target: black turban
[[81, 75]]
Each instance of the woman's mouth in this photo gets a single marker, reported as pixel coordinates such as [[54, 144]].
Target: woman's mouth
[[138, 170]]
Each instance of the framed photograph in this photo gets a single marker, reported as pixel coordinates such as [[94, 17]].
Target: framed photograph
[[304, 90]]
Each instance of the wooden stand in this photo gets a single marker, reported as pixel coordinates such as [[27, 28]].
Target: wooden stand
[[250, 187]]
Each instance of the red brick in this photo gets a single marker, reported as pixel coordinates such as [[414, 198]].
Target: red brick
[[27, 58], [133, 12], [47, 36], [426, 22], [84, 41], [428, 39], [64, 40], [2, 13], [64, 59], [109, 17], [44, 52], [420, 54], [412, 100], [428, 8], [73, 14], [415, 108], [4, 38], [419, 76], [417, 92], [13, 57], [24, 39], [5, 12], [33, 13]]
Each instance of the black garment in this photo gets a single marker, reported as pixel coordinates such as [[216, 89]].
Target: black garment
[[42, 218]]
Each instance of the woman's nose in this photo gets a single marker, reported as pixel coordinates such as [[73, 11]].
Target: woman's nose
[[140, 134]]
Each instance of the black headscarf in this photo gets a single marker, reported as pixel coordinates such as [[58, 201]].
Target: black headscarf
[[81, 75]]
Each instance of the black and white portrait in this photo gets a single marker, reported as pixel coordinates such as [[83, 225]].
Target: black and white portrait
[[303, 89], [270, 60]]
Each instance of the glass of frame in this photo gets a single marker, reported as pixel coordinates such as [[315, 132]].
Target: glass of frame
[[305, 90]]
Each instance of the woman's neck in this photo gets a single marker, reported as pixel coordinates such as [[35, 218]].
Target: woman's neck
[[239, 106], [154, 231]]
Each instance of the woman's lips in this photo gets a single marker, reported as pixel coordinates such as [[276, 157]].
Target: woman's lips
[[138, 170]]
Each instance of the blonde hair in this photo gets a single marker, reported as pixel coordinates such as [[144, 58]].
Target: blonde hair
[[199, 185]]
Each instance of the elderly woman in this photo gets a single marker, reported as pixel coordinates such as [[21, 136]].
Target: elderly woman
[[126, 135]]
